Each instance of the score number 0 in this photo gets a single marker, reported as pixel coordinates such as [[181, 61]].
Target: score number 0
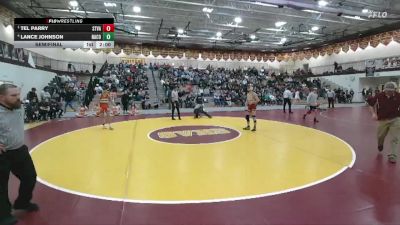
[[108, 27]]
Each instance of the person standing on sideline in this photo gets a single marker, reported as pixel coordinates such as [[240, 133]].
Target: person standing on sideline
[[385, 107], [331, 98], [312, 102], [104, 102], [69, 98], [175, 103], [297, 96], [94, 66], [287, 99], [14, 155], [125, 102], [251, 101]]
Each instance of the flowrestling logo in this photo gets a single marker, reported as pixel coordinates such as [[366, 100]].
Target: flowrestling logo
[[377, 14], [197, 134]]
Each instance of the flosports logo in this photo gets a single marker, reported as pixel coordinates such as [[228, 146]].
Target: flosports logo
[[196, 134], [377, 14]]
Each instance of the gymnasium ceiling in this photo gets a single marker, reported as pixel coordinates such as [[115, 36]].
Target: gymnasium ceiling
[[160, 21]]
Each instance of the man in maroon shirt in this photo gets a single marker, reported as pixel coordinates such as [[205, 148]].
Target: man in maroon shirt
[[385, 107]]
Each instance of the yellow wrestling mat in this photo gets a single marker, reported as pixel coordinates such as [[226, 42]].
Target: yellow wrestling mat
[[190, 160]]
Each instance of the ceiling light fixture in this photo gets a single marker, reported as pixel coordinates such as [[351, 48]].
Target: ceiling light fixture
[[73, 3], [138, 27], [207, 10], [354, 18], [283, 40], [180, 31], [274, 29], [314, 28], [238, 20], [365, 11], [265, 4], [280, 23], [310, 33], [252, 37], [322, 3], [137, 9], [311, 11], [219, 34], [110, 4]]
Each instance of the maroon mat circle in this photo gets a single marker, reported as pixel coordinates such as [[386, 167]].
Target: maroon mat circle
[[198, 134]]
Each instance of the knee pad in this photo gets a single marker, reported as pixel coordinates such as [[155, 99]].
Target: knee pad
[[254, 118], [247, 118]]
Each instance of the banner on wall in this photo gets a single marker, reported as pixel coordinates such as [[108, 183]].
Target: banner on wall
[[370, 68], [31, 62]]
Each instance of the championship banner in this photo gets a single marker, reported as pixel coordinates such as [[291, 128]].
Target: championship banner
[[375, 40], [180, 54], [212, 55], [117, 50], [235, 56], [337, 48], [345, 47], [259, 57], [136, 50], [315, 54], [329, 50], [294, 56], [386, 38], [146, 51], [271, 57], [164, 53], [370, 68], [286, 57], [189, 54], [322, 51], [204, 55], [218, 55], [252, 56], [354, 45], [301, 55], [279, 57], [364, 43], [155, 52], [265, 57], [196, 54], [308, 55], [127, 51], [245, 56], [396, 36], [225, 55]]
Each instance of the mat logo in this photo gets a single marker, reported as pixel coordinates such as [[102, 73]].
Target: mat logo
[[376, 14], [197, 134]]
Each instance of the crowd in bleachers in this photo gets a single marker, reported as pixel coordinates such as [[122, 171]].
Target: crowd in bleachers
[[228, 87], [53, 100], [127, 84]]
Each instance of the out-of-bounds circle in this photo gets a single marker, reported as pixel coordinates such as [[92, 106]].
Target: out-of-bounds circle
[[126, 164]]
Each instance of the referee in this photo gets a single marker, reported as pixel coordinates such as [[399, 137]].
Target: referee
[[14, 155], [287, 99]]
